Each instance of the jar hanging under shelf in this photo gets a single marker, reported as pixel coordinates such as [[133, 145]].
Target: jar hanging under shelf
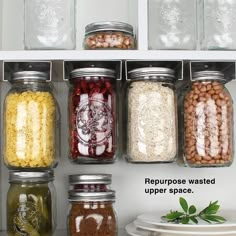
[[93, 115], [151, 115], [49, 24], [31, 208], [208, 122], [30, 116], [92, 214]]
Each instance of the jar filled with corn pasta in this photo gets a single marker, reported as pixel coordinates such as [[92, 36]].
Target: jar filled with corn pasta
[[30, 122]]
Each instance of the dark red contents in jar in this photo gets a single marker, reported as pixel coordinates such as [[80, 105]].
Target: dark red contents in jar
[[92, 120], [91, 187]]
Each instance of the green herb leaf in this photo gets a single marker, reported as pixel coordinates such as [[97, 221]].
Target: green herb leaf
[[185, 220], [212, 208], [192, 210], [173, 215], [183, 204], [194, 219]]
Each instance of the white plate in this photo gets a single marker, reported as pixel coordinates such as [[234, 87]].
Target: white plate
[[141, 225], [155, 219], [133, 231]]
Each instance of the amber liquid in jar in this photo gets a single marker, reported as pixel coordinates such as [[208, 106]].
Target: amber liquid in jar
[[208, 122]]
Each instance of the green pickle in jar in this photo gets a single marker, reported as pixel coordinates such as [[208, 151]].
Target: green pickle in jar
[[30, 210]]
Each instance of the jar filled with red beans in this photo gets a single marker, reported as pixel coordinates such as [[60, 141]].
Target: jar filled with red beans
[[92, 115], [208, 121]]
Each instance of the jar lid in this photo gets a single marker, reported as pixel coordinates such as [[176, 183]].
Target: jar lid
[[19, 176], [208, 75], [108, 196], [29, 75], [93, 72], [90, 179], [152, 73], [109, 25]]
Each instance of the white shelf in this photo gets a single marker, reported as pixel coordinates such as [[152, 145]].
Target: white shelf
[[118, 55]]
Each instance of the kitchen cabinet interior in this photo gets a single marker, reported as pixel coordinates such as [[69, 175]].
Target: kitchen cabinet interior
[[128, 179]]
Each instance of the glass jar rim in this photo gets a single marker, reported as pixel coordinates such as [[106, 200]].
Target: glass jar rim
[[92, 72], [30, 176], [90, 179], [79, 196], [208, 75], [109, 26], [29, 75], [152, 73]]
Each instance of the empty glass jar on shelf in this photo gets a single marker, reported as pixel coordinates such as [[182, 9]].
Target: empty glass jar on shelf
[[151, 115], [49, 24], [30, 116], [93, 115], [208, 122], [218, 23], [172, 24]]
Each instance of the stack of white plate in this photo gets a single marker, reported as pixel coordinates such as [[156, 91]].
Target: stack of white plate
[[153, 225]]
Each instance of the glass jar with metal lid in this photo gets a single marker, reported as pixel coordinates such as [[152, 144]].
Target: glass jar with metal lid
[[151, 115], [31, 206], [208, 121], [30, 122], [90, 182], [93, 119], [92, 214], [109, 35]]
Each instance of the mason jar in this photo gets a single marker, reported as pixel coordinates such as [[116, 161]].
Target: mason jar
[[31, 206], [151, 115], [90, 182], [30, 122], [93, 115], [208, 121], [92, 214], [109, 35], [49, 24], [172, 24], [218, 23]]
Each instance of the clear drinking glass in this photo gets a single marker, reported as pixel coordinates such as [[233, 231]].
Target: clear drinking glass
[[49, 24], [172, 24], [219, 19]]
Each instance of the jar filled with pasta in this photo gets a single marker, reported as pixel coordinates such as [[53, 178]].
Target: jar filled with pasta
[[30, 122], [31, 204]]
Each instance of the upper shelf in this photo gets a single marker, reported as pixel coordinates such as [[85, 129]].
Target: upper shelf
[[118, 55]]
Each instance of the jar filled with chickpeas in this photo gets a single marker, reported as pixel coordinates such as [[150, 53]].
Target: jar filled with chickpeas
[[109, 35], [30, 116], [208, 121]]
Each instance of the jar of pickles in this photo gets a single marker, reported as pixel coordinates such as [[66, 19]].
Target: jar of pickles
[[151, 115], [90, 182], [92, 214], [30, 122], [208, 121], [109, 35], [93, 119], [30, 204]]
